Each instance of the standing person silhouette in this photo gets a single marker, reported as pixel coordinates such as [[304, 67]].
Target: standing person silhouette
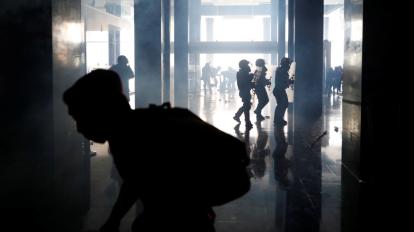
[[260, 88], [282, 82], [206, 74], [147, 152], [245, 85], [125, 73]]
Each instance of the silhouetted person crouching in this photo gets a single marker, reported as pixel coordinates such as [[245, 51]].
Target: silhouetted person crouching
[[177, 183]]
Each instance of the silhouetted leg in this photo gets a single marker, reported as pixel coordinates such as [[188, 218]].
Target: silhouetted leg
[[128, 195], [263, 100], [246, 111], [239, 113]]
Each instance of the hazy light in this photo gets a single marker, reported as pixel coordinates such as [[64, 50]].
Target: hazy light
[[97, 51], [226, 28], [356, 30], [72, 32], [336, 36]]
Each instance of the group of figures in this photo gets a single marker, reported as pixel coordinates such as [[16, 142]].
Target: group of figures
[[214, 77], [255, 83]]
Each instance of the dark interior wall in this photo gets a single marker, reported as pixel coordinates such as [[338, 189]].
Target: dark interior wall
[[37, 163], [26, 104], [382, 165], [71, 151], [371, 119]]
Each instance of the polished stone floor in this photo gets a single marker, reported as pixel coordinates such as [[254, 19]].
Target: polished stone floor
[[296, 175]]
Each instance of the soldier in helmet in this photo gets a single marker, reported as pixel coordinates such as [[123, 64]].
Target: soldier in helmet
[[245, 84], [260, 88], [282, 82]]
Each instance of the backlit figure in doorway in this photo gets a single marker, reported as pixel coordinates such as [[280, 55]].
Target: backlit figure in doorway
[[206, 74], [125, 73]]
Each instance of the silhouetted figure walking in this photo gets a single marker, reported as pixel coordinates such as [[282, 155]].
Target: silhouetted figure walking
[[260, 88], [125, 73], [206, 74], [245, 84], [282, 82], [154, 166]]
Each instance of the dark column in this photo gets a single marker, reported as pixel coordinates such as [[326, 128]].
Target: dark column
[[281, 37], [181, 53], [309, 58], [148, 82], [195, 21], [166, 51], [41, 162], [291, 28]]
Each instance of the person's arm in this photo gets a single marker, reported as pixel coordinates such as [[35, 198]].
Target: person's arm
[[128, 195]]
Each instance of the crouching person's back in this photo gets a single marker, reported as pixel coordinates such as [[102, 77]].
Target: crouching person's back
[[162, 155]]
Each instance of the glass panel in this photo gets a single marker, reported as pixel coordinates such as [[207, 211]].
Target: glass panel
[[234, 28]]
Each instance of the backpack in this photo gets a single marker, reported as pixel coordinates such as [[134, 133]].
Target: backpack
[[224, 174]]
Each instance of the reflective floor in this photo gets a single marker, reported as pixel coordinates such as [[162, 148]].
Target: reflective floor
[[296, 175]]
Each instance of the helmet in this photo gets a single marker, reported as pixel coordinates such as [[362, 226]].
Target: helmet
[[260, 63], [122, 59], [243, 64], [285, 61]]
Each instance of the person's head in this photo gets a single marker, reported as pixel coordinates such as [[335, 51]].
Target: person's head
[[260, 63], [285, 62], [244, 65], [122, 60], [96, 103]]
